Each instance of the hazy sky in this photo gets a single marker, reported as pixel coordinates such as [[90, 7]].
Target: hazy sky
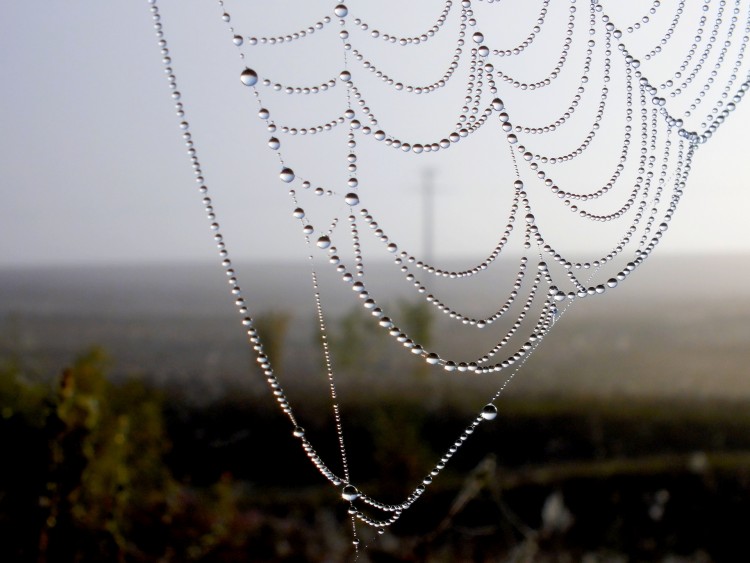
[[94, 170]]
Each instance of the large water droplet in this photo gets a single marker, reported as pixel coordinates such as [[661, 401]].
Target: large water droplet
[[287, 175], [478, 37], [345, 76], [350, 493], [298, 432], [351, 199], [249, 77], [341, 10], [323, 242], [489, 412], [432, 359], [299, 213], [274, 143]]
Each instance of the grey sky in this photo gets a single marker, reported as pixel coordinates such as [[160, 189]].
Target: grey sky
[[94, 170]]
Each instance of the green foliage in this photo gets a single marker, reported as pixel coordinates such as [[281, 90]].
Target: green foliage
[[273, 327], [356, 341], [86, 478], [418, 321], [19, 396], [106, 449]]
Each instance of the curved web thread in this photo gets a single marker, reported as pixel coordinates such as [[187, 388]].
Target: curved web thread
[[641, 192]]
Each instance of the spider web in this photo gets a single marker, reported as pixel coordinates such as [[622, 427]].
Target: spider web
[[563, 134]]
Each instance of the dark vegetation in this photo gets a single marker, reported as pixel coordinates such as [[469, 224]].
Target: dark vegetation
[[96, 470]]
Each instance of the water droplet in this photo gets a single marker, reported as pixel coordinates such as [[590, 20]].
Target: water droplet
[[477, 37], [299, 213], [263, 113], [489, 412], [350, 493], [612, 282], [298, 432], [483, 51], [529, 218], [341, 10], [237, 40], [345, 76], [274, 143], [323, 242], [286, 175], [497, 104], [249, 77], [351, 199]]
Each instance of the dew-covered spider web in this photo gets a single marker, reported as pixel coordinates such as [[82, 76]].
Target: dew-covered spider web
[[567, 127]]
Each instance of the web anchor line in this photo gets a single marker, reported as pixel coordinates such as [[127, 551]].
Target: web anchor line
[[664, 137]]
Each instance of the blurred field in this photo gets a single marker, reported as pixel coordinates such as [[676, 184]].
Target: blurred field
[[679, 326], [625, 438]]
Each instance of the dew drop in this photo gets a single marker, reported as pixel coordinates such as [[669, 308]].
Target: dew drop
[[345, 76], [350, 493], [351, 199], [432, 358], [478, 37], [299, 213], [286, 175], [497, 104], [237, 40], [489, 412], [341, 10], [249, 77], [298, 432], [324, 242], [274, 143]]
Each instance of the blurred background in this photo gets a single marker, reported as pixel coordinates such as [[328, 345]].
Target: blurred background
[[137, 426]]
